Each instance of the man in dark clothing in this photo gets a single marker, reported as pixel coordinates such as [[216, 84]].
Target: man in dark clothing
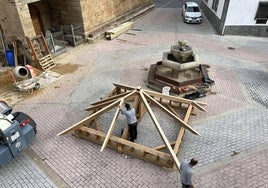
[[131, 120], [187, 173]]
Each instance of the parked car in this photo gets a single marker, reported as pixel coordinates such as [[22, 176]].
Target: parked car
[[17, 131], [191, 13]]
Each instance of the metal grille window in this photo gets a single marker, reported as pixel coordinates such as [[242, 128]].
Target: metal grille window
[[262, 13], [215, 5]]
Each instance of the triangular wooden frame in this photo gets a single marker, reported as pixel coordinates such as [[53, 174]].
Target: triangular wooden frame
[[142, 99]]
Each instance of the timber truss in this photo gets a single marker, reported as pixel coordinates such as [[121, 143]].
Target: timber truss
[[142, 100]]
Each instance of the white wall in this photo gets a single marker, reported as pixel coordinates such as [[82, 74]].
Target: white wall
[[220, 7], [242, 12]]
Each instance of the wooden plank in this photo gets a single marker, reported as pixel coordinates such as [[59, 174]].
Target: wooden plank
[[110, 98], [163, 146], [101, 105], [47, 62], [94, 115], [124, 86], [173, 98], [97, 124], [115, 32], [109, 133], [142, 110], [118, 140], [161, 132], [185, 125], [197, 105], [88, 119], [182, 129]]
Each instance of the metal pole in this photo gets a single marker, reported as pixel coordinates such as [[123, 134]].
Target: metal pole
[[72, 29]]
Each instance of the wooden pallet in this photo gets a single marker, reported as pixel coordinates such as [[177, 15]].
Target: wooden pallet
[[47, 62]]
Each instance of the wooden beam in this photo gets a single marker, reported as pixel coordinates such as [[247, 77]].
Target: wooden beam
[[118, 140], [109, 133], [163, 146], [111, 98], [173, 98], [97, 124], [142, 110], [161, 132], [100, 105], [116, 31], [182, 130], [124, 86], [94, 115], [89, 118], [185, 125], [197, 105]]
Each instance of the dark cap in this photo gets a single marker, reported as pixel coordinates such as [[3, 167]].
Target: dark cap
[[127, 105], [193, 161]]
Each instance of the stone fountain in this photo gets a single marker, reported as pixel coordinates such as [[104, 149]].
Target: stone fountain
[[180, 70]]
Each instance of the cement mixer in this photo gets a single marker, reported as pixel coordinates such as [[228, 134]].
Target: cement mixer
[[21, 72], [24, 80]]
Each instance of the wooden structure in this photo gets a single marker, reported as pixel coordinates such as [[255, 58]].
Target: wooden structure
[[41, 53], [164, 155]]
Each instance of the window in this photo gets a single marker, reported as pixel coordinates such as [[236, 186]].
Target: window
[[193, 9], [215, 5], [262, 13]]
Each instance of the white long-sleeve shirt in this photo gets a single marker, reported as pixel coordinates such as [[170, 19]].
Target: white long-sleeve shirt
[[130, 115]]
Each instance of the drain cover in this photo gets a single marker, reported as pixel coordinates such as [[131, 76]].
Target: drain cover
[[231, 48]]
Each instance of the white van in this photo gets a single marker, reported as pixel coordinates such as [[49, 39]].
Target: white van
[[191, 13]]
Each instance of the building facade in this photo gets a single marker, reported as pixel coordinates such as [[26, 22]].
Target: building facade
[[233, 17], [20, 18]]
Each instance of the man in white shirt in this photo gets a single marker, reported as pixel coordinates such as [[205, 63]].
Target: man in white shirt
[[131, 120], [187, 173]]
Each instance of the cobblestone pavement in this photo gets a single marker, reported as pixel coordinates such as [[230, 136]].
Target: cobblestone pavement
[[233, 146]]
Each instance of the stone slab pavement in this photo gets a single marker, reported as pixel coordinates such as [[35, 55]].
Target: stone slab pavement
[[232, 149]]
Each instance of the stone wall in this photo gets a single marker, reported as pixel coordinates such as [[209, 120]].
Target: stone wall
[[97, 13], [15, 20], [65, 12], [92, 14]]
